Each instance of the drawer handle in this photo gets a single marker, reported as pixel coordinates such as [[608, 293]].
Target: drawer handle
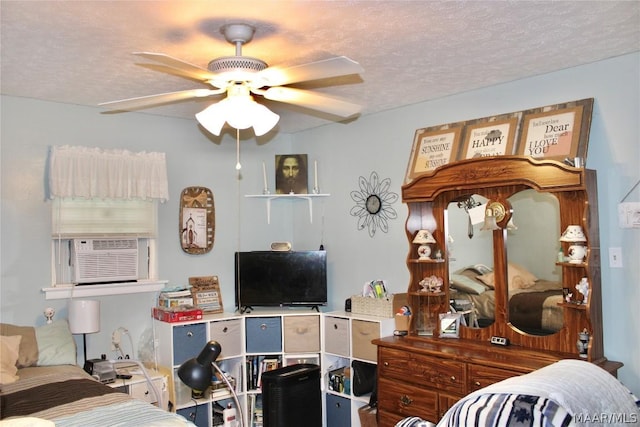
[[225, 329], [302, 330], [477, 383], [146, 393], [453, 378], [386, 363], [406, 400], [335, 326], [263, 326], [189, 334]]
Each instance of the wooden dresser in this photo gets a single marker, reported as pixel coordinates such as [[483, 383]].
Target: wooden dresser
[[424, 377], [423, 373]]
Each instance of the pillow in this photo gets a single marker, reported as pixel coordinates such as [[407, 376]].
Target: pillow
[[528, 278], [518, 277], [9, 350], [467, 284], [28, 352], [488, 279], [55, 344]]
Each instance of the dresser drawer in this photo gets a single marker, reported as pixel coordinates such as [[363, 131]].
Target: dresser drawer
[[264, 335], [481, 376], [227, 333], [188, 341], [336, 335], [407, 400], [362, 332], [441, 374], [302, 334]]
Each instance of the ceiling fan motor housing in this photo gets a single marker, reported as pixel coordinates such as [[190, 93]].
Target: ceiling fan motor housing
[[236, 63]]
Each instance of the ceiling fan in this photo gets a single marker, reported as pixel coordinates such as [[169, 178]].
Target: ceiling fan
[[240, 77]]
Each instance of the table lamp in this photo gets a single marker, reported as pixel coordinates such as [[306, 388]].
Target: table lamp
[[84, 318]]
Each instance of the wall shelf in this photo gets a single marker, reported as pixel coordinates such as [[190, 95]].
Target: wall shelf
[[99, 289], [269, 197]]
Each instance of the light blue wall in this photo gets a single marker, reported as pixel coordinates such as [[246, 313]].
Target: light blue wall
[[344, 152]]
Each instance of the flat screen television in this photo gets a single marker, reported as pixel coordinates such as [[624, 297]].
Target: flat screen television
[[279, 279]]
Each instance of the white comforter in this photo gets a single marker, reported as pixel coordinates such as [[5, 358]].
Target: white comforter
[[589, 394]]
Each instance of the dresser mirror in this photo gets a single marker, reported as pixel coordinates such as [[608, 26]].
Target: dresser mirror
[[469, 248], [534, 278], [534, 281]]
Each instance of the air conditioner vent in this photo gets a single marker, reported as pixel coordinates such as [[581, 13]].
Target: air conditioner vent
[[104, 260]]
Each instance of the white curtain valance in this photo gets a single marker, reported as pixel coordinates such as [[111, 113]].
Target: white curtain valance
[[107, 174]]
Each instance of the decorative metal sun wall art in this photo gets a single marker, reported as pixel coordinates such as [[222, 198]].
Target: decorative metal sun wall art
[[373, 204]]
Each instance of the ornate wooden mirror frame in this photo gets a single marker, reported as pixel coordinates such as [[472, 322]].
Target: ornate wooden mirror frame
[[500, 177]]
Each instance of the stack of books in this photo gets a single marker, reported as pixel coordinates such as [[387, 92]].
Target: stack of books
[[176, 306], [172, 299]]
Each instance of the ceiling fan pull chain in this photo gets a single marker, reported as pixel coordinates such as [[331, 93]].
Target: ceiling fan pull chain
[[238, 165]]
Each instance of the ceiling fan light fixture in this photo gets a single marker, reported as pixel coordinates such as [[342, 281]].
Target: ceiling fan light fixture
[[263, 119], [240, 111], [212, 118]]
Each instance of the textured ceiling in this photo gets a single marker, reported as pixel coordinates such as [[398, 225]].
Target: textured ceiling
[[79, 52]]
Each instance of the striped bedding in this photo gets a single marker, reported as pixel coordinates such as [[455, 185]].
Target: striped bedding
[[68, 396]]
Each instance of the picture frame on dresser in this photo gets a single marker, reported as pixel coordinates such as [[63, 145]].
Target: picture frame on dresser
[[557, 132], [489, 138], [433, 147]]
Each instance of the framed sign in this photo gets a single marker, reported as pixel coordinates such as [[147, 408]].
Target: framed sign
[[197, 220], [487, 139], [450, 325], [557, 132], [432, 148], [206, 295]]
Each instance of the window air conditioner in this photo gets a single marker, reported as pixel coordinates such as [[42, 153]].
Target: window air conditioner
[[104, 260]]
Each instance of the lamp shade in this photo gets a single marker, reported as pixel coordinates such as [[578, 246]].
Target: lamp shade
[[84, 316], [423, 237], [196, 373], [573, 233]]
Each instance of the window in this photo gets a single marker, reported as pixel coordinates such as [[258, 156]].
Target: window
[[104, 194]]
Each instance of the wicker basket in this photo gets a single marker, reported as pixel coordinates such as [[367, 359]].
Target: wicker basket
[[379, 307]]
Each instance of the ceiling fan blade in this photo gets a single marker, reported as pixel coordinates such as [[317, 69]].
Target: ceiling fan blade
[[161, 98], [185, 68], [332, 67], [312, 100]]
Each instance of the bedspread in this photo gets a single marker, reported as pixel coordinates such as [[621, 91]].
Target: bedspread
[[69, 397]]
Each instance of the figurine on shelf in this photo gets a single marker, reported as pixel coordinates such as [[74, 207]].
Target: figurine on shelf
[[583, 288], [568, 296], [431, 284]]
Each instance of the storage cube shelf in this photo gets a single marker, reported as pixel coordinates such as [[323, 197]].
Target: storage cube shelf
[[347, 337], [252, 342]]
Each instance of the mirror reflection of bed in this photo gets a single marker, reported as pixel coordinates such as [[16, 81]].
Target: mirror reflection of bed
[[534, 279]]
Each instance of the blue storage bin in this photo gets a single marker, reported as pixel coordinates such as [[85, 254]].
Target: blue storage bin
[[188, 341], [264, 335]]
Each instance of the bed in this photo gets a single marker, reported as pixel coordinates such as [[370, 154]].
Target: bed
[[533, 302], [561, 394], [40, 385]]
